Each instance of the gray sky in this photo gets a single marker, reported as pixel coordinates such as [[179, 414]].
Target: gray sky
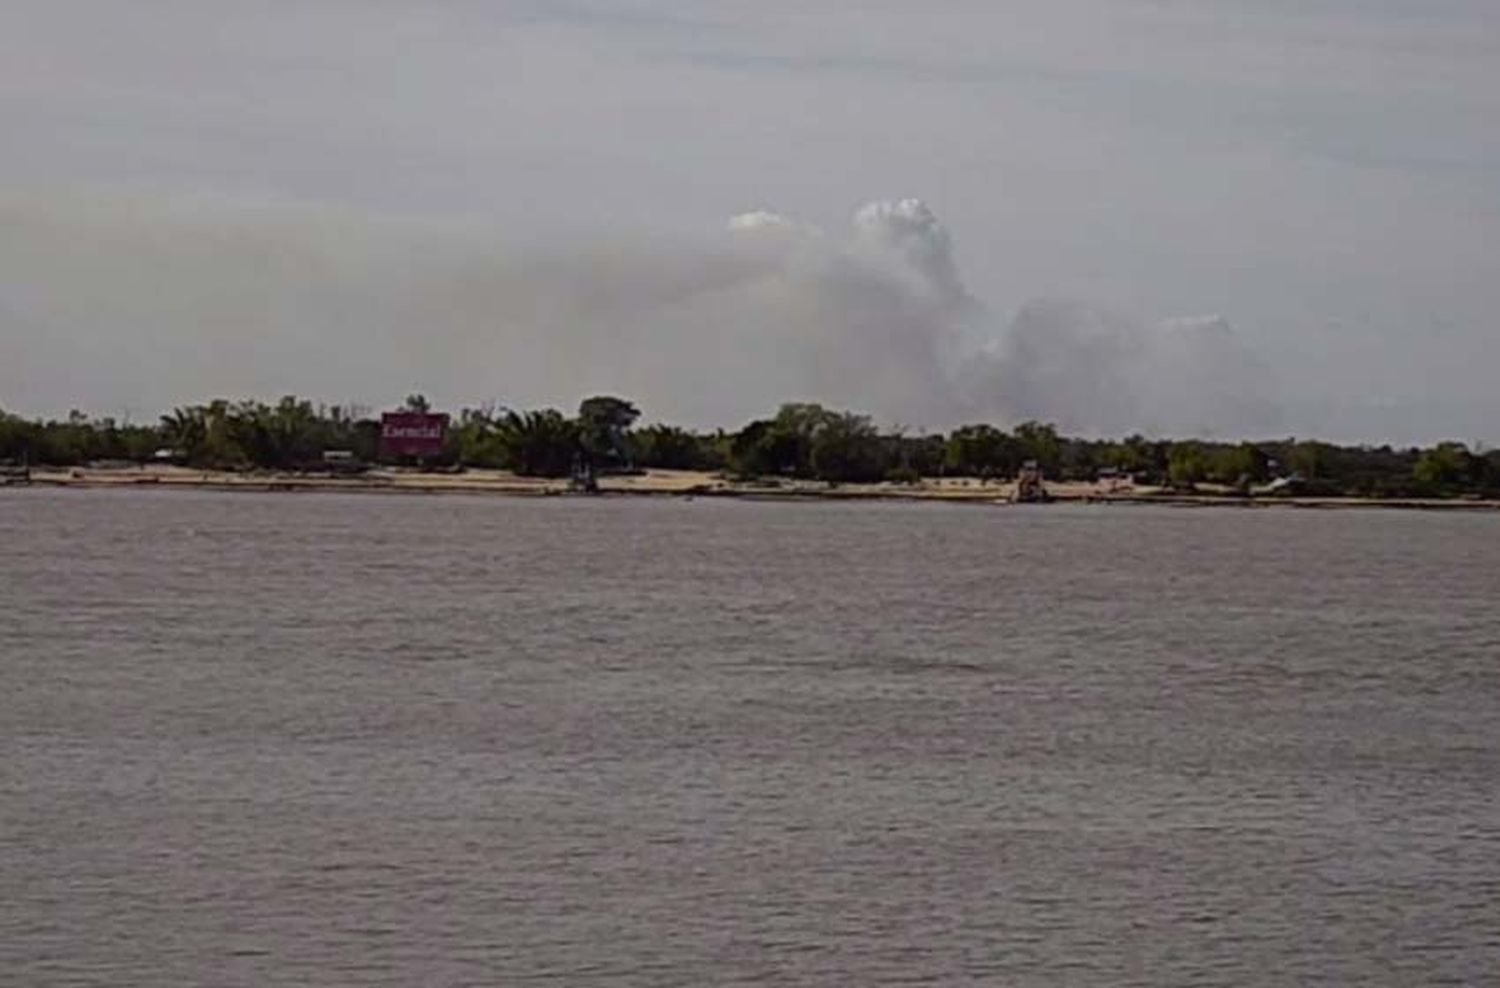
[[1218, 216]]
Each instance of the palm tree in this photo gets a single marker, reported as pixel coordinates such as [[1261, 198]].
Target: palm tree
[[185, 430], [541, 444]]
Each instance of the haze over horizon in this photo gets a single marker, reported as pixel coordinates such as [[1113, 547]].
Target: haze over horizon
[[1226, 218]]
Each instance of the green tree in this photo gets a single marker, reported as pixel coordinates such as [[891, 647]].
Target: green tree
[[1039, 441], [1244, 463], [981, 451], [791, 436], [781, 446], [603, 426], [283, 436], [1187, 464], [808, 440], [666, 447], [185, 430], [751, 451], [846, 448], [918, 456], [1134, 455], [540, 444], [475, 440], [17, 439], [1446, 465], [1310, 460]]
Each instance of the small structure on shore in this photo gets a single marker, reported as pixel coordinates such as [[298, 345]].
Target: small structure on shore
[[1113, 480], [582, 479], [342, 461], [1029, 487]]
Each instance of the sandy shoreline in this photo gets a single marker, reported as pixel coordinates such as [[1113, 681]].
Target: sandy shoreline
[[685, 483]]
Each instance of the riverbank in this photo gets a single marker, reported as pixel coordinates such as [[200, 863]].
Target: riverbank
[[688, 483]]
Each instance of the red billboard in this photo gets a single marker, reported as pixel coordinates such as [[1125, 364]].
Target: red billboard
[[414, 434]]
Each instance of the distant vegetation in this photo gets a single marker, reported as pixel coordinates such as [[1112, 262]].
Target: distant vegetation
[[802, 440]]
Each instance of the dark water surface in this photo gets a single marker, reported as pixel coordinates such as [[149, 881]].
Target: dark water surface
[[327, 740]]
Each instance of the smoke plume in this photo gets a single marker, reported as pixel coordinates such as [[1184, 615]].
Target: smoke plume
[[114, 302], [936, 354]]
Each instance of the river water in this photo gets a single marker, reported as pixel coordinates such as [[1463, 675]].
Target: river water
[[366, 740]]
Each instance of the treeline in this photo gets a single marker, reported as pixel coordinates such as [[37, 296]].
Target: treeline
[[220, 435], [802, 440]]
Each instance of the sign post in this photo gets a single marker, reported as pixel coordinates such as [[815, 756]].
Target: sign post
[[412, 435]]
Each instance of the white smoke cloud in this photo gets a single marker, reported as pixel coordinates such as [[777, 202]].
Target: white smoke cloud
[[897, 308], [1096, 372], [909, 228], [150, 303]]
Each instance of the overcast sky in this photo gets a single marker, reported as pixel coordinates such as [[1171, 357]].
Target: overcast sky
[[524, 202]]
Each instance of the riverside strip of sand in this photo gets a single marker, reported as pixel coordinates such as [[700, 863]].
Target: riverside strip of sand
[[688, 483]]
